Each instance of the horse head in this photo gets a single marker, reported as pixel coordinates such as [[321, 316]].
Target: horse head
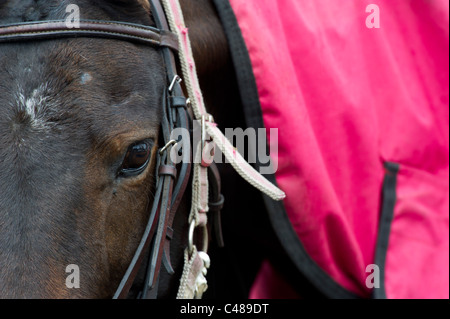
[[80, 129]]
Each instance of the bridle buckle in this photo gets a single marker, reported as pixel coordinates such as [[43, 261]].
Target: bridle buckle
[[176, 80]]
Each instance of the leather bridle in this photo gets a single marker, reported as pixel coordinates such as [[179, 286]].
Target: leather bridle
[[171, 179]]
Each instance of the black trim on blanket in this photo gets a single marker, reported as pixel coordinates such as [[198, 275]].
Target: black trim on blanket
[[303, 264], [387, 214]]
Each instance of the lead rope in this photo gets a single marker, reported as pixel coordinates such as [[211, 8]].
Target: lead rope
[[193, 282]]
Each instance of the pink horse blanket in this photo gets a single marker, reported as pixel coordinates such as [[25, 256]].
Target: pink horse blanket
[[359, 95]]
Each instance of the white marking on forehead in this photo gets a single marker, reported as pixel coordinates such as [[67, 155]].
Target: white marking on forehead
[[34, 104]]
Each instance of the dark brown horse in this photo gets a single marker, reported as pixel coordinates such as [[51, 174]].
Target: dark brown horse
[[76, 113]]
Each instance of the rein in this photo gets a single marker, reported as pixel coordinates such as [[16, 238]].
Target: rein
[[170, 36]]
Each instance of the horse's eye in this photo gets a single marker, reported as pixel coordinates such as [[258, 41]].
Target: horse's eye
[[136, 159]]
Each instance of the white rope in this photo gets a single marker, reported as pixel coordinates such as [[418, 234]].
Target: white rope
[[177, 25], [193, 282], [176, 21], [241, 166], [200, 192]]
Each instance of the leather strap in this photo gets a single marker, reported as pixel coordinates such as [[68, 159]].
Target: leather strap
[[180, 188], [216, 202], [174, 116], [133, 268], [168, 170], [46, 30]]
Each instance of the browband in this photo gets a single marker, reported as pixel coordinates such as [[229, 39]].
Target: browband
[[47, 30]]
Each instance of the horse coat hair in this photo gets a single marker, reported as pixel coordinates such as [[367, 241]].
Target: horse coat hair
[[362, 114]]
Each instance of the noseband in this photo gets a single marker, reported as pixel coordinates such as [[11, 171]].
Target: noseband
[[171, 179]]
